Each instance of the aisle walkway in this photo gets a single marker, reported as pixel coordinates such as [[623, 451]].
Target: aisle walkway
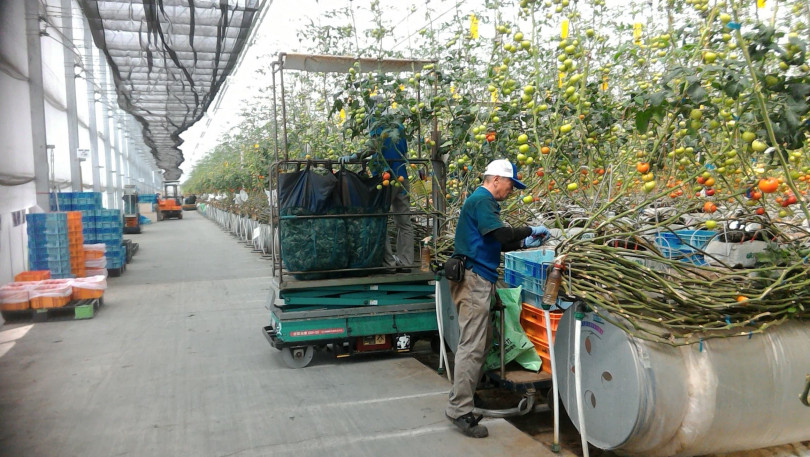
[[175, 364]]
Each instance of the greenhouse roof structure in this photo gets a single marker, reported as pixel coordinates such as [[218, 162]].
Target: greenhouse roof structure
[[168, 60]]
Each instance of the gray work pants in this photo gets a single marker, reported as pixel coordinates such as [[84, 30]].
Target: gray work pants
[[400, 203], [472, 298]]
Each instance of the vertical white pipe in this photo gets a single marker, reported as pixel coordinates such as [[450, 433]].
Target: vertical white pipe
[[578, 387], [555, 445]]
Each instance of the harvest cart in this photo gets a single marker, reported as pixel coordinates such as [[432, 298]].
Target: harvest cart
[[353, 308]]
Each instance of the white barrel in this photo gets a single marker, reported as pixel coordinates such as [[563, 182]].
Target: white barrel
[[722, 395]]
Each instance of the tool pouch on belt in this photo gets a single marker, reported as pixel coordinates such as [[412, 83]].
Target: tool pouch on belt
[[454, 268]]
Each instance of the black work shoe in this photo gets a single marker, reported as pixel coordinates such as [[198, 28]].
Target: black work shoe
[[468, 424]]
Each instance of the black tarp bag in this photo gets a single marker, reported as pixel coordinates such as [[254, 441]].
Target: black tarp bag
[[310, 244], [358, 194]]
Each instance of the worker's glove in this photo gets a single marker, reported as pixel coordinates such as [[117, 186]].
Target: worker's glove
[[540, 231], [349, 158], [532, 241]]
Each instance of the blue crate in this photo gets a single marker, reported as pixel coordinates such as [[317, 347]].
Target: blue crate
[[534, 285], [684, 238], [62, 275], [529, 263]]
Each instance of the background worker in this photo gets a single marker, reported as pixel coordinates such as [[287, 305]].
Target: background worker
[[481, 236], [389, 151]]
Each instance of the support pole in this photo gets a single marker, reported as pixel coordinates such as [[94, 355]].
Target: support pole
[[70, 96], [89, 76], [36, 98]]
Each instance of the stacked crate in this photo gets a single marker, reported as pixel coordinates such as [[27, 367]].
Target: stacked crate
[[109, 230], [75, 243], [99, 225], [95, 260], [528, 269], [534, 325], [48, 247]]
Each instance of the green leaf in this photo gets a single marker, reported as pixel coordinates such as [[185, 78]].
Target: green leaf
[[696, 92], [657, 98], [643, 120]]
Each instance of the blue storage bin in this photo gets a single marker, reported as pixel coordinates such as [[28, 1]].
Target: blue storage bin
[[529, 263], [534, 285]]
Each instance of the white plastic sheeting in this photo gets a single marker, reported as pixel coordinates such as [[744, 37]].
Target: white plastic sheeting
[[168, 59]]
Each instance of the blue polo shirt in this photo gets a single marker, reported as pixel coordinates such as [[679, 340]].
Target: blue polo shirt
[[394, 149], [480, 216]]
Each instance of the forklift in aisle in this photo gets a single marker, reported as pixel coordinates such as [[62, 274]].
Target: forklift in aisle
[[169, 204], [348, 311], [132, 215]]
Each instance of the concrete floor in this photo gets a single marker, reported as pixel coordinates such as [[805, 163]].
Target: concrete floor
[[174, 364]]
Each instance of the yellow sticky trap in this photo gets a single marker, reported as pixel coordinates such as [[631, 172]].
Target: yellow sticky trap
[[760, 3], [493, 96], [402, 87], [560, 77], [637, 33], [604, 83], [452, 89], [473, 27], [394, 105], [564, 29], [342, 115]]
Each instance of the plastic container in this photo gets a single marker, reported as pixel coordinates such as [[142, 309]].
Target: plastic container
[[94, 251], [35, 275], [95, 263], [90, 272], [541, 347], [533, 323], [15, 296], [50, 295], [529, 264], [528, 283], [89, 287]]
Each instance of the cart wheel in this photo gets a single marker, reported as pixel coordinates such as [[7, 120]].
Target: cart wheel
[[180, 216], [298, 357]]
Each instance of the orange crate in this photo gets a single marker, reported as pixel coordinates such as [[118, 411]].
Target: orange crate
[[533, 322], [14, 296], [34, 275], [541, 348], [83, 294], [90, 287], [23, 305], [94, 251], [52, 295]]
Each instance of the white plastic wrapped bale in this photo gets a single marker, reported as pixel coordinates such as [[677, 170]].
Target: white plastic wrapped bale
[[723, 395], [14, 296], [51, 295], [89, 287]]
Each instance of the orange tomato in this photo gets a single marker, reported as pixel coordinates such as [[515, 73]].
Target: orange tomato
[[709, 207], [642, 167], [545, 150], [386, 176], [768, 185], [709, 182]]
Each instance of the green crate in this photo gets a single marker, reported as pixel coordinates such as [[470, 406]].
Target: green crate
[[84, 311]]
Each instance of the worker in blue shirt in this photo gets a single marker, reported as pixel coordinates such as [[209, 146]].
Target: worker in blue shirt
[[392, 157], [481, 236]]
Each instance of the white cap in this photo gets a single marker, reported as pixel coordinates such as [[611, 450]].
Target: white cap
[[505, 169]]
